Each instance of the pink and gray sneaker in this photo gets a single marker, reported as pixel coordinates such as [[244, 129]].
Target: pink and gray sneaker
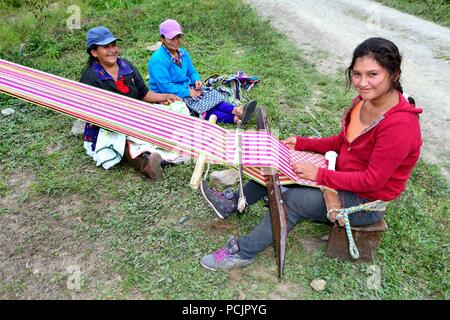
[[225, 258]]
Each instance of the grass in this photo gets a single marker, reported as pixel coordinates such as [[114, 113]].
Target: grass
[[124, 232], [437, 11]]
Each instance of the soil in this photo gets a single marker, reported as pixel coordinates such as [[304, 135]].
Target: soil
[[328, 31], [41, 257]]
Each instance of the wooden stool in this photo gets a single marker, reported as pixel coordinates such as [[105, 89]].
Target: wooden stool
[[366, 239]]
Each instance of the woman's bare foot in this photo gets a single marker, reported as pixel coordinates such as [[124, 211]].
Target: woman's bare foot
[[238, 111]]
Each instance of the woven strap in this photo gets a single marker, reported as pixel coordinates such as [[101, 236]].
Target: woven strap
[[183, 134]]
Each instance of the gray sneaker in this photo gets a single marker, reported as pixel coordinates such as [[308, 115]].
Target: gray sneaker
[[225, 258], [223, 203]]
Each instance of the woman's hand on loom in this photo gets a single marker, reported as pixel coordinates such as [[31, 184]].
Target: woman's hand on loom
[[194, 93], [198, 85], [305, 170], [170, 98], [165, 98], [290, 142]]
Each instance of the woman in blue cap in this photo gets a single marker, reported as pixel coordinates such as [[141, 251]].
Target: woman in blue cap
[[106, 70], [171, 70]]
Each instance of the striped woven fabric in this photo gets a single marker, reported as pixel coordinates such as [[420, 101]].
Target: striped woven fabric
[[153, 123]]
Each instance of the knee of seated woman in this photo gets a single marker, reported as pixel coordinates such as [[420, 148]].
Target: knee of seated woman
[[304, 200], [364, 218], [303, 194]]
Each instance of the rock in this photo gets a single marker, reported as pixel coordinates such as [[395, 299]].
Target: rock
[[318, 284], [154, 47], [78, 128], [239, 52], [224, 178], [182, 220], [8, 111]]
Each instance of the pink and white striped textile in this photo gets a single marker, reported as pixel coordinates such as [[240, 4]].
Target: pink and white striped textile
[[153, 123]]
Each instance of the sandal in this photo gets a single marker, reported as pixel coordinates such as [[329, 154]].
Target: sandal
[[249, 110]]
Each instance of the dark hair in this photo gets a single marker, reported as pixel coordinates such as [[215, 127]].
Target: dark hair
[[385, 53], [91, 58]]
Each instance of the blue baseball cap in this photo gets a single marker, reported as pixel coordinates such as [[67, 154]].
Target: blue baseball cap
[[99, 36]]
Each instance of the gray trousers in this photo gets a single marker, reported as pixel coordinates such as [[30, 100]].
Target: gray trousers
[[301, 203]]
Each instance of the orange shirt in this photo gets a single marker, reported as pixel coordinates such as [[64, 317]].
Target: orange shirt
[[355, 127]]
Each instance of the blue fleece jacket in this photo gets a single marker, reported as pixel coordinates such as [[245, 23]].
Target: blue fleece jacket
[[167, 77]]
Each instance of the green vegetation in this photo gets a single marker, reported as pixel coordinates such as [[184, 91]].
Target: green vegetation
[[58, 209], [437, 11]]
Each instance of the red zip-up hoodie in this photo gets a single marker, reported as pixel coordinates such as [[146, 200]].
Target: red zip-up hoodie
[[378, 162]]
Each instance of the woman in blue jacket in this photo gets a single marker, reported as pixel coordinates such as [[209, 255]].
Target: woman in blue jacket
[[171, 71]]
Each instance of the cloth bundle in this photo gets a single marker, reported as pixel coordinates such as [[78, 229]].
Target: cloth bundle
[[232, 87]]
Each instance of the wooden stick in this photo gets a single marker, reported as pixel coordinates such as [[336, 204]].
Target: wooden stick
[[276, 205], [200, 165], [241, 201], [331, 196]]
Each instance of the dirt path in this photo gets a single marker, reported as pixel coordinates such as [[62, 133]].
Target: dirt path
[[328, 31]]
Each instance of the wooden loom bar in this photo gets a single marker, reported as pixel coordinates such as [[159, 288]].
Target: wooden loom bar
[[276, 205]]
